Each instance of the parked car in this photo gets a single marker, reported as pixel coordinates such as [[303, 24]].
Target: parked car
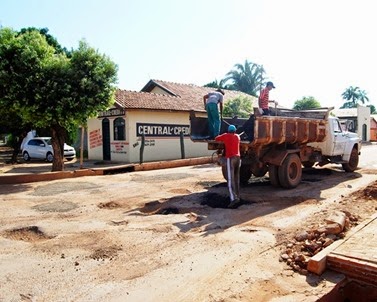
[[41, 148]]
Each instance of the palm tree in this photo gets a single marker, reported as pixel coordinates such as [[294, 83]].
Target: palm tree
[[354, 95], [216, 84], [247, 78]]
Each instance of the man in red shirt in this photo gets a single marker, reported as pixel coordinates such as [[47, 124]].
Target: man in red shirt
[[231, 142], [264, 98]]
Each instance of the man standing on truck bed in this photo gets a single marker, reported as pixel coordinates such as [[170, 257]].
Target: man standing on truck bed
[[231, 142], [212, 102], [264, 98]]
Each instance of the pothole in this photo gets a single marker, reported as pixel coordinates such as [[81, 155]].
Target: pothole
[[215, 200], [105, 253], [351, 291], [29, 234], [109, 205]]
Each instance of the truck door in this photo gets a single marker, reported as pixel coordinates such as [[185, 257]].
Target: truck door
[[340, 138]]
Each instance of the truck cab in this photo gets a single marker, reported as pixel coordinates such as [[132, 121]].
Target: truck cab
[[339, 146]]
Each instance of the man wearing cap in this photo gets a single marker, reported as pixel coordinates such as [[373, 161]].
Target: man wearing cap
[[212, 102], [231, 142], [264, 98]]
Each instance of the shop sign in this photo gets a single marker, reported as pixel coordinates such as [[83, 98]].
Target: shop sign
[[162, 130]]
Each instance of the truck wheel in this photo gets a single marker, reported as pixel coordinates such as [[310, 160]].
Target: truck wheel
[[259, 171], [274, 175], [290, 172], [224, 171], [308, 164], [353, 162], [245, 174]]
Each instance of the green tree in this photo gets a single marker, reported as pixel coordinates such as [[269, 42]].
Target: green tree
[[47, 88], [248, 78], [307, 102], [354, 95], [372, 109], [216, 84], [12, 123], [240, 106]]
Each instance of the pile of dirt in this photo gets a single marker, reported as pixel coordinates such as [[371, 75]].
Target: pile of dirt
[[29, 234], [307, 243]]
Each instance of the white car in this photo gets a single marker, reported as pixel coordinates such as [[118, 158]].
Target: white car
[[41, 148]]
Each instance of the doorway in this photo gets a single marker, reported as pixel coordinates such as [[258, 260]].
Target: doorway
[[106, 139]]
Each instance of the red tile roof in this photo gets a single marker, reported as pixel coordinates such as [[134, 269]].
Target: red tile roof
[[178, 97]]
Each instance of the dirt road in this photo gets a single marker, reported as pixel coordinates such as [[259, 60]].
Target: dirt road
[[163, 235]]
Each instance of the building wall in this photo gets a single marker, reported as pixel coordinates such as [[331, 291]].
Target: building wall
[[159, 90], [162, 137], [373, 130], [363, 122], [361, 118]]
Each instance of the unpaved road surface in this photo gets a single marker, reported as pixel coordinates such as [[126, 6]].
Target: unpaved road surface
[[165, 235]]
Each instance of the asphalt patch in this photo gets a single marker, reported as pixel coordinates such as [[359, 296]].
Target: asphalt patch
[[57, 206]]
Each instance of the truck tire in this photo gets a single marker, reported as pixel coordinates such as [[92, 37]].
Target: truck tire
[[258, 171], [353, 162], [245, 173], [290, 172], [274, 175], [224, 171]]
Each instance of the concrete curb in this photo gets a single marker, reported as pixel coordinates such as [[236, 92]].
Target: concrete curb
[[47, 176]]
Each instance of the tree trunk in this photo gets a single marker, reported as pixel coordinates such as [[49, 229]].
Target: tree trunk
[[57, 140], [16, 147]]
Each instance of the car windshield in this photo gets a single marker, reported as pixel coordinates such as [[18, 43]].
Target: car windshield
[[48, 141]]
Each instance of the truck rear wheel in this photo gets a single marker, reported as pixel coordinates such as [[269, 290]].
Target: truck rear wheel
[[290, 172], [224, 171], [258, 171], [353, 162], [274, 175], [245, 173]]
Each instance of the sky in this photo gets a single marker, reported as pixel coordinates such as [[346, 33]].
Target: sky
[[307, 48]]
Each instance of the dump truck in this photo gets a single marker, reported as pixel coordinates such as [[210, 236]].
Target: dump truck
[[283, 143]]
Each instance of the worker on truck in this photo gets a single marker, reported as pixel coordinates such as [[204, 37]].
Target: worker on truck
[[231, 142], [264, 98], [212, 102]]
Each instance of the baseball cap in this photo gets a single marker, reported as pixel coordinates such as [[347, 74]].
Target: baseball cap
[[232, 128], [270, 84]]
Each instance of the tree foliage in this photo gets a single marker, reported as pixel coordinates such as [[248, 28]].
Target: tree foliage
[[49, 88], [217, 84], [240, 106], [248, 78], [354, 95], [372, 109], [307, 102]]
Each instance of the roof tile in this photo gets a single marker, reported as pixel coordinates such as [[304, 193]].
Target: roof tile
[[186, 97]]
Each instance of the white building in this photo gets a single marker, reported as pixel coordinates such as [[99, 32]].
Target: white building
[[160, 113], [357, 120]]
